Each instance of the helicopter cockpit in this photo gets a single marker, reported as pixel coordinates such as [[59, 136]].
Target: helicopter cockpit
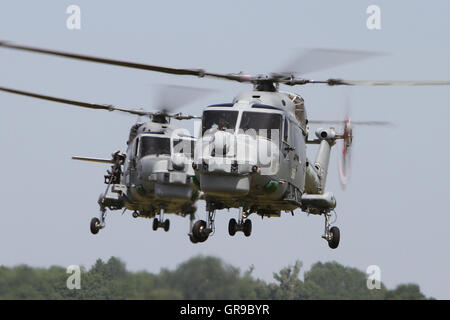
[[223, 120], [156, 146], [266, 125], [152, 145], [262, 124]]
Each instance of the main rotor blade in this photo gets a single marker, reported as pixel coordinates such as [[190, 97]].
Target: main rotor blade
[[74, 102], [358, 123], [317, 59], [171, 97], [93, 160], [341, 82], [389, 83], [128, 64]]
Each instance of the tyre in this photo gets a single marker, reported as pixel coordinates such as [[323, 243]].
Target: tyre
[[198, 231], [166, 225], [335, 237], [248, 227], [232, 227], [155, 224], [193, 238], [95, 225]]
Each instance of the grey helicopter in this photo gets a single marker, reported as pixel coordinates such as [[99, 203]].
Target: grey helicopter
[[252, 152], [153, 176]]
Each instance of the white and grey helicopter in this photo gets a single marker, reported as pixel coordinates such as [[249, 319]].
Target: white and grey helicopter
[[225, 165], [154, 176]]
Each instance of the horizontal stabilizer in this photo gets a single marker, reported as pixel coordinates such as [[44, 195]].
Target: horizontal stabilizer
[[93, 160]]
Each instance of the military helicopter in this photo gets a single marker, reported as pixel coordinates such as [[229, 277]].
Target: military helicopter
[[154, 176], [228, 165]]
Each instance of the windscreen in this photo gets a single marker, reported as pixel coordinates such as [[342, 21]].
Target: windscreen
[[154, 146], [262, 124], [219, 119]]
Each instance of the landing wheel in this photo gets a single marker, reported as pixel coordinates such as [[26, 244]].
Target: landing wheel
[[193, 238], [155, 224], [232, 227], [95, 225], [135, 214], [333, 243], [248, 227], [166, 225], [199, 232]]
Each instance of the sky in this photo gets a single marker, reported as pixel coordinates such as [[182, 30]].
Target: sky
[[393, 214]]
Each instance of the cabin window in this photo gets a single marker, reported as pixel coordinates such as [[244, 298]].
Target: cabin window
[[264, 124], [286, 130], [136, 144], [219, 119], [153, 146], [184, 146]]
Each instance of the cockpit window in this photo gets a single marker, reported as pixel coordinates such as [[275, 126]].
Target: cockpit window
[[219, 119], [263, 124], [153, 146], [184, 146]]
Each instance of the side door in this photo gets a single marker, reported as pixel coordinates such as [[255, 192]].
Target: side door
[[299, 158], [287, 151], [130, 169]]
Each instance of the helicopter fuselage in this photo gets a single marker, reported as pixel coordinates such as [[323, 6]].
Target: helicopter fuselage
[[156, 174], [252, 154]]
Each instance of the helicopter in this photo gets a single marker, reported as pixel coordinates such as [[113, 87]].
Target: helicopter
[[228, 165], [151, 178]]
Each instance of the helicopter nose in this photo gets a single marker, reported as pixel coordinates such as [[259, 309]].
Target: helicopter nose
[[221, 143], [152, 165], [225, 185]]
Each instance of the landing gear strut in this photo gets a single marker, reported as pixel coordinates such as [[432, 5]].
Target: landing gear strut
[[244, 225], [332, 235], [96, 223], [161, 223]]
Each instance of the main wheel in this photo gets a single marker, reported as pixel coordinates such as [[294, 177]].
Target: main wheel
[[198, 230], [193, 238], [232, 227], [166, 225], [95, 225], [248, 227], [155, 224], [335, 237]]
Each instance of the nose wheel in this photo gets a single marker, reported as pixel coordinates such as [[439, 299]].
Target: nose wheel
[[244, 225], [161, 223], [332, 235], [241, 225]]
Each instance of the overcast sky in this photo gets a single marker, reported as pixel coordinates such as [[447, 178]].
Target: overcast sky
[[394, 213]]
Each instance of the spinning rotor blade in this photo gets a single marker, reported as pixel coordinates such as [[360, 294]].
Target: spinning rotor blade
[[317, 59], [313, 60], [128, 64], [292, 81], [170, 97], [340, 82], [93, 160], [178, 116], [73, 102]]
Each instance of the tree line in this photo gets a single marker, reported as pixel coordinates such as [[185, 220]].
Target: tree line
[[198, 278]]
